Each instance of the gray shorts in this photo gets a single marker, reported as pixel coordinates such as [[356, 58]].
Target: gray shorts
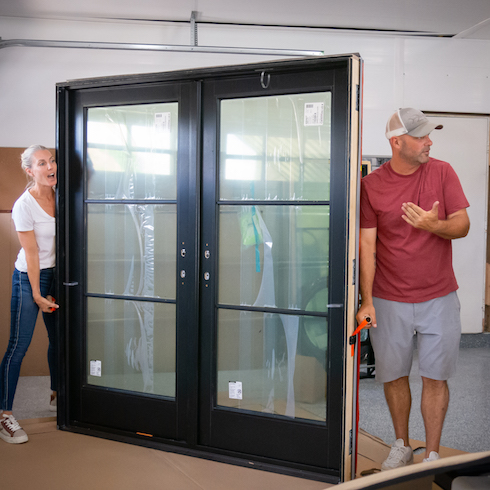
[[438, 326]]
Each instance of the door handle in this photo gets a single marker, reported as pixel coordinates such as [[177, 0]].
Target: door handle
[[70, 284]]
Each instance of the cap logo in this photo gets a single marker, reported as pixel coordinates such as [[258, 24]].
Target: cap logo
[[415, 119]]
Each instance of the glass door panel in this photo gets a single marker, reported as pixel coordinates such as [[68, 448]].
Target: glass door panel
[[131, 345], [271, 255], [127, 254], [276, 147], [131, 223], [265, 365], [132, 152], [274, 150]]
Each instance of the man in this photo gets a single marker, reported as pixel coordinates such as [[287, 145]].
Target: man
[[411, 209]]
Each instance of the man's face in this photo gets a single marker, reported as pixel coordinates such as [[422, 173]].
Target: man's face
[[414, 150]]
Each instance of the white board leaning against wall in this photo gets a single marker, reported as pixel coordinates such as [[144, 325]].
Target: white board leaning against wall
[[464, 142]]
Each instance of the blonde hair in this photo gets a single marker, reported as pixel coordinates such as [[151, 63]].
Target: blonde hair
[[26, 161]]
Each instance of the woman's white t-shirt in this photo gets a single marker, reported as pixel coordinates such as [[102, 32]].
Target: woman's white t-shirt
[[28, 215]]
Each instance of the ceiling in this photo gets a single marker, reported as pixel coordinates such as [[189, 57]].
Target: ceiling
[[469, 19]]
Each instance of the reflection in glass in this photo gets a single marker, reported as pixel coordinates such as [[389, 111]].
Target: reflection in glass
[[132, 151], [131, 249], [268, 356], [131, 345], [275, 148], [272, 255]]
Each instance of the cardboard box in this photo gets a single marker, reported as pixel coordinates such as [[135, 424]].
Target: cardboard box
[[310, 380]]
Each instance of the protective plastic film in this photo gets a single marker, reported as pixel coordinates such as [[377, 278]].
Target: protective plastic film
[[276, 148], [131, 249], [131, 246], [131, 345], [273, 256], [267, 364], [132, 152]]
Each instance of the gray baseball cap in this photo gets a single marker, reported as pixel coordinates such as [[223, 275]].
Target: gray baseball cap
[[409, 121]]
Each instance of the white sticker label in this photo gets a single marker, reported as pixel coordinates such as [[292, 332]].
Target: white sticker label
[[96, 368], [314, 113], [162, 121], [235, 389]]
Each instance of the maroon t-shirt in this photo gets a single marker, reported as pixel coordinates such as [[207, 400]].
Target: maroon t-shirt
[[412, 265]]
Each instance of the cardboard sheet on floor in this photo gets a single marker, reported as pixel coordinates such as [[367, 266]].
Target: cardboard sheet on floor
[[372, 451], [55, 459], [48, 445]]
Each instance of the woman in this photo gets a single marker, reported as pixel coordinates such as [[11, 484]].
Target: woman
[[32, 281]]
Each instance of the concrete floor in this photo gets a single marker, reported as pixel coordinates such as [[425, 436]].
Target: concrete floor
[[467, 425]]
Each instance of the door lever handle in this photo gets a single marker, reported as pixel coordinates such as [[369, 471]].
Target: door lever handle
[[70, 284]]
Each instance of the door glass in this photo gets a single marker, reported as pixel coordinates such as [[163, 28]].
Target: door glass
[[131, 220], [271, 255], [131, 345], [276, 148], [125, 256], [267, 364], [274, 255], [132, 152]]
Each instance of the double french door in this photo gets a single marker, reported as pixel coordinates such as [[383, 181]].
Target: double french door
[[206, 239]]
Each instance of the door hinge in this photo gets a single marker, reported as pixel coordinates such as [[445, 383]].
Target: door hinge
[[350, 442], [354, 265], [358, 97]]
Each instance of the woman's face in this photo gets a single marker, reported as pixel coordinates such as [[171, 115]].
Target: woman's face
[[43, 168]]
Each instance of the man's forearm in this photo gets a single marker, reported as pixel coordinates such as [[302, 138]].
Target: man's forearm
[[366, 277], [454, 227], [367, 267]]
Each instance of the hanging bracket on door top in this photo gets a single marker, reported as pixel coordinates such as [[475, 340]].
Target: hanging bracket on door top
[[263, 81]]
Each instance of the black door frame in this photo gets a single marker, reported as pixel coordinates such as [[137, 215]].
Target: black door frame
[[69, 266]]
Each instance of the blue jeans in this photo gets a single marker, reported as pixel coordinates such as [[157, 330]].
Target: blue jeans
[[23, 315]]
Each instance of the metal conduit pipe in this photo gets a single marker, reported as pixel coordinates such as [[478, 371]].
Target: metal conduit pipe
[[156, 47]]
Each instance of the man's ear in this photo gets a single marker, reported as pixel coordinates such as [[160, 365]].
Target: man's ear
[[395, 142]]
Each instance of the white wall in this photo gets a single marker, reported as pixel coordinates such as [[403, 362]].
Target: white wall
[[464, 142], [431, 74]]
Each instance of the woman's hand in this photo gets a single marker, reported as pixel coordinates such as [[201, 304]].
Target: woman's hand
[[46, 305]]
